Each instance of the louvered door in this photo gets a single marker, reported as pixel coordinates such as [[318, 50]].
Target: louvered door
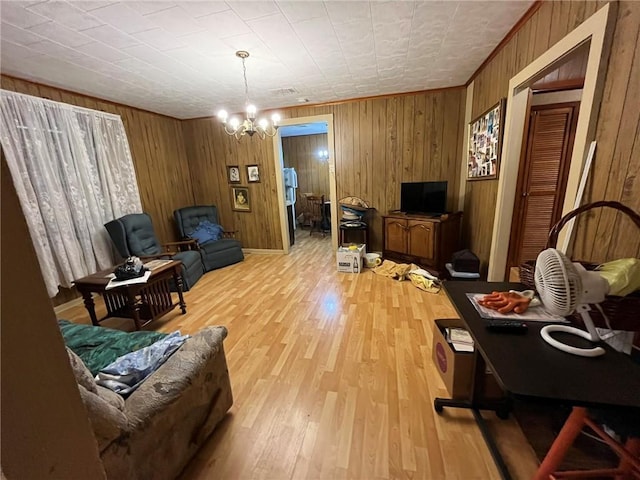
[[542, 179]]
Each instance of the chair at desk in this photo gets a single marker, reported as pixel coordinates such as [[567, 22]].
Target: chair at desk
[[626, 425], [317, 214]]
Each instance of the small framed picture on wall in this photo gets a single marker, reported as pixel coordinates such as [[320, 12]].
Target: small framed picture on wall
[[253, 174], [233, 173], [240, 199]]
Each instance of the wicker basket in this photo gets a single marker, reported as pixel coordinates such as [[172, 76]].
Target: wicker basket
[[622, 312]]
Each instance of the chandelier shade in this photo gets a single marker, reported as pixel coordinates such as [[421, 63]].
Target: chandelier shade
[[237, 127]]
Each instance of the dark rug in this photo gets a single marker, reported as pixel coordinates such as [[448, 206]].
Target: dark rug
[[540, 425]]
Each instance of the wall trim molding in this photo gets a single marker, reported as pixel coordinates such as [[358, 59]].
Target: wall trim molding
[[263, 251], [70, 304]]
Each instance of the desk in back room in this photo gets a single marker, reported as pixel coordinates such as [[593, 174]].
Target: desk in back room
[[528, 368]]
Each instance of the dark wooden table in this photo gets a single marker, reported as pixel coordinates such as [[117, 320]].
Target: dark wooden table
[[142, 302], [528, 368]]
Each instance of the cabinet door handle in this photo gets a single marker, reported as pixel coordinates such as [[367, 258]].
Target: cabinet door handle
[[424, 227]]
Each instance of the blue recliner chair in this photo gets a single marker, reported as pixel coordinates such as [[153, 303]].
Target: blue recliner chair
[[215, 253], [134, 235]]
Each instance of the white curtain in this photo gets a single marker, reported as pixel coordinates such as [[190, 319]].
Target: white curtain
[[73, 172]]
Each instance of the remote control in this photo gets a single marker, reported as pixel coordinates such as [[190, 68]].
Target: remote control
[[507, 326]]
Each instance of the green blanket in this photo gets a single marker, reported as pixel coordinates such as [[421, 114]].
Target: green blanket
[[98, 346]]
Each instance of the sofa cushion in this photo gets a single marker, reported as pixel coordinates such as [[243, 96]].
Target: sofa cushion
[[81, 372], [221, 245]]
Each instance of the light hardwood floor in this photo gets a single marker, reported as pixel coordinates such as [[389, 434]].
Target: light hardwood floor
[[332, 376]]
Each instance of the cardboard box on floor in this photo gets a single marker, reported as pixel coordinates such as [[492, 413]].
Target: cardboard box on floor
[[351, 259], [456, 368]]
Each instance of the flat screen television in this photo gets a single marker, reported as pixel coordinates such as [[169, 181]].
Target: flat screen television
[[428, 198]]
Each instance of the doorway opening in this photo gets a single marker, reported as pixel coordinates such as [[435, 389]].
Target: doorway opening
[[305, 162], [593, 34]]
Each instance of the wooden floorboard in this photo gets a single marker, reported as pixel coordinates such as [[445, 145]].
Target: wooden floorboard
[[332, 376]]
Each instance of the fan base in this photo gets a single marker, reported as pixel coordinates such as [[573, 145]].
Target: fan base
[[546, 331]]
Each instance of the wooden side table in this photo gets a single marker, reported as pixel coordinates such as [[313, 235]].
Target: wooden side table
[[142, 302]]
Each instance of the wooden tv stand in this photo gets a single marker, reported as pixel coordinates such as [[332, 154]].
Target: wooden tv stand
[[424, 240]]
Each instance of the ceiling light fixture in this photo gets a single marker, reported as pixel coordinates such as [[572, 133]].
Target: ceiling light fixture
[[233, 126]]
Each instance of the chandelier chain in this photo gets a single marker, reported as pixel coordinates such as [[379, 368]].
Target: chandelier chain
[[246, 84], [249, 126]]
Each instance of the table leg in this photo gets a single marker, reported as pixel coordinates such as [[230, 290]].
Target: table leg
[[570, 430], [177, 276], [91, 307], [475, 403], [134, 307]]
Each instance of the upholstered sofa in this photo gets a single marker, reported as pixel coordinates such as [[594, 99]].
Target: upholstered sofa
[[217, 253], [154, 432]]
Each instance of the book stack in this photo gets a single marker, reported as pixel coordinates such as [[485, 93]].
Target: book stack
[[459, 339]]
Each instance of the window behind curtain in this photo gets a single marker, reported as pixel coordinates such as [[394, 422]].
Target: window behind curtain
[[73, 172]]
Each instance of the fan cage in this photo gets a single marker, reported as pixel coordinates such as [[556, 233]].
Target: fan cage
[[558, 282]]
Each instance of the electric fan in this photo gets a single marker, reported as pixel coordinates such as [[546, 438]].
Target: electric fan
[[565, 287]]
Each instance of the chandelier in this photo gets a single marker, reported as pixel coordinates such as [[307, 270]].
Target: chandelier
[[233, 126]]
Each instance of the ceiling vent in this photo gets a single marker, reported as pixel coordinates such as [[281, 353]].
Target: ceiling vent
[[284, 92]]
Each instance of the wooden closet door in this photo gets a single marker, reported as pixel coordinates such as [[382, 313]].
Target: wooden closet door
[[542, 179]]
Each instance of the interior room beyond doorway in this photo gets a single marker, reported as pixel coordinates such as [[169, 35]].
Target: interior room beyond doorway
[[305, 159]]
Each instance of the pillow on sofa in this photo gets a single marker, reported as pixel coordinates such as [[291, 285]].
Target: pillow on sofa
[[206, 232]]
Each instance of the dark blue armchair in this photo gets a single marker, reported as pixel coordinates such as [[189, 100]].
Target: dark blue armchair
[[215, 253], [134, 235]]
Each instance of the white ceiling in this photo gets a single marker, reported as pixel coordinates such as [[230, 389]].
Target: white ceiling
[[178, 58]]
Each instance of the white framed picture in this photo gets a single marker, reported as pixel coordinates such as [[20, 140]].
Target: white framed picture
[[253, 173], [233, 173]]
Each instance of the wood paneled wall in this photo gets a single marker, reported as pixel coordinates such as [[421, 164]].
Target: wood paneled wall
[[156, 146], [600, 235], [210, 151], [379, 143], [301, 153]]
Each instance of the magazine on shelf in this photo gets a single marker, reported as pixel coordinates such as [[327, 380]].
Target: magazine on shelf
[[533, 314], [459, 338], [114, 283]]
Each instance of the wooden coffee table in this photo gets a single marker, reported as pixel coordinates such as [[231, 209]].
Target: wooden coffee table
[[142, 302]]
